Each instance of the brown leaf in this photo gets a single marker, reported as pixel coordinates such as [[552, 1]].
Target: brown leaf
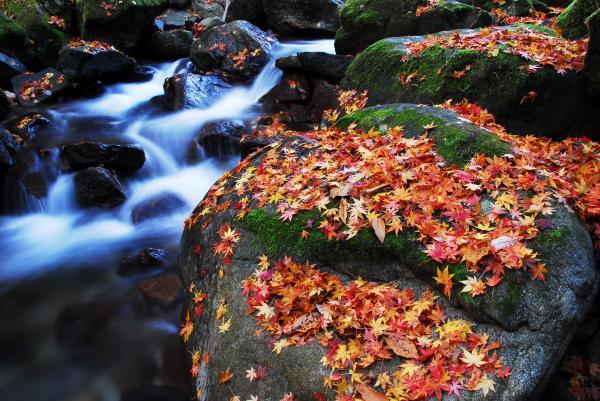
[[379, 227], [368, 394], [402, 347]]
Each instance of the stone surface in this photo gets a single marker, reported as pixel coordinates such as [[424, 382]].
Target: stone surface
[[248, 10], [533, 320], [171, 44], [190, 91], [9, 67], [163, 290], [296, 17], [34, 88], [221, 138], [9, 145], [121, 157], [324, 65], [99, 188], [157, 206], [208, 9], [13, 40], [174, 19], [571, 21], [237, 48], [83, 65]]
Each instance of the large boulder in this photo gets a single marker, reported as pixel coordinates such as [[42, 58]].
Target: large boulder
[[193, 91], [293, 17], [13, 39], [221, 138], [32, 89], [9, 67], [121, 24], [533, 320], [97, 187], [83, 61], [208, 8], [525, 96], [171, 44], [591, 69], [571, 21], [120, 157], [365, 22], [248, 10], [237, 48]]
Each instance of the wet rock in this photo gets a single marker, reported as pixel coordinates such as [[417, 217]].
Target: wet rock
[[35, 183], [211, 22], [153, 257], [124, 26], [221, 138], [28, 126], [157, 206], [140, 74], [163, 290], [325, 97], [98, 187], [192, 91], [292, 17], [146, 259], [5, 105], [533, 320], [591, 69], [572, 20], [9, 145], [125, 158], [237, 48], [248, 10], [174, 19], [208, 8], [33, 89], [288, 64], [293, 88], [324, 65], [155, 393], [9, 67], [562, 106], [14, 41], [364, 22], [171, 44], [85, 64]]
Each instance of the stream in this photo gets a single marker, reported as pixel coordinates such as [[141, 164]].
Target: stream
[[56, 255]]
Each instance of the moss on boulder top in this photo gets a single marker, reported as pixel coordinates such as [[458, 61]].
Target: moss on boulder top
[[13, 39], [500, 83], [572, 20]]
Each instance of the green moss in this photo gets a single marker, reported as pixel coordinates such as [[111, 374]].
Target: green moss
[[13, 37], [550, 238], [572, 20], [510, 302], [455, 144], [538, 28]]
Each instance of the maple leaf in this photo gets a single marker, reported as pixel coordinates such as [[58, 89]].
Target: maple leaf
[[225, 326], [473, 358], [485, 385], [368, 394], [444, 278], [225, 376], [280, 345], [264, 262], [538, 271], [473, 285], [265, 310], [187, 328], [287, 397]]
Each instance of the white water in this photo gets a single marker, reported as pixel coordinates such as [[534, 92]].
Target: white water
[[61, 235]]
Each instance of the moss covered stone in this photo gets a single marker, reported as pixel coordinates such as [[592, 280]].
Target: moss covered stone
[[591, 69], [572, 20], [13, 39]]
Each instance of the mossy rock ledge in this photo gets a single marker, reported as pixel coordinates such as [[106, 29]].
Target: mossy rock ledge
[[534, 320], [499, 83]]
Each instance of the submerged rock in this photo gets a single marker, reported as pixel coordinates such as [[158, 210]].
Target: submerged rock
[[237, 48], [98, 187], [291, 17], [163, 290], [533, 320], [193, 91], [157, 206], [123, 158]]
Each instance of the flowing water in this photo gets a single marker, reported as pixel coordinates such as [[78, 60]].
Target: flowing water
[[55, 254]]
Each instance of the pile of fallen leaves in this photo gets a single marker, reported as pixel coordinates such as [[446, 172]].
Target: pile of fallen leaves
[[584, 378], [532, 45], [57, 22], [32, 89], [363, 324], [93, 47]]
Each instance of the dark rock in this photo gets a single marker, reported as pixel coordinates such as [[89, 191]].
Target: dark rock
[[174, 19], [221, 138], [140, 74], [123, 158], [325, 97], [98, 187], [238, 48], [163, 290], [153, 257], [157, 206], [211, 22], [293, 88], [293, 17], [324, 65], [5, 105], [147, 259], [29, 125], [572, 20], [562, 106], [248, 10], [171, 44], [35, 183], [288, 64], [83, 64], [64, 9], [9, 67], [14, 41], [124, 26], [591, 69], [32, 89], [155, 393], [190, 91], [9, 144], [208, 8], [180, 3], [365, 22], [84, 324]]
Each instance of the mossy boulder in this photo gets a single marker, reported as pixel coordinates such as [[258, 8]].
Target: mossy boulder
[[80, 64], [572, 20], [591, 69], [533, 320], [123, 24], [366, 21], [511, 7], [499, 83], [46, 39], [13, 39]]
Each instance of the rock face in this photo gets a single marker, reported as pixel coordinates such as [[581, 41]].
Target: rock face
[[13, 39], [533, 320], [85, 64], [190, 91], [123, 25], [572, 20], [163, 290], [365, 22], [9, 144], [157, 206], [293, 17], [248, 10], [591, 69], [32, 89], [123, 158], [497, 83], [237, 48], [174, 19], [9, 67], [221, 138], [98, 187], [171, 44], [208, 8]]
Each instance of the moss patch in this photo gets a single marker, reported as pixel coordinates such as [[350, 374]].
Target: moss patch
[[572, 20]]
